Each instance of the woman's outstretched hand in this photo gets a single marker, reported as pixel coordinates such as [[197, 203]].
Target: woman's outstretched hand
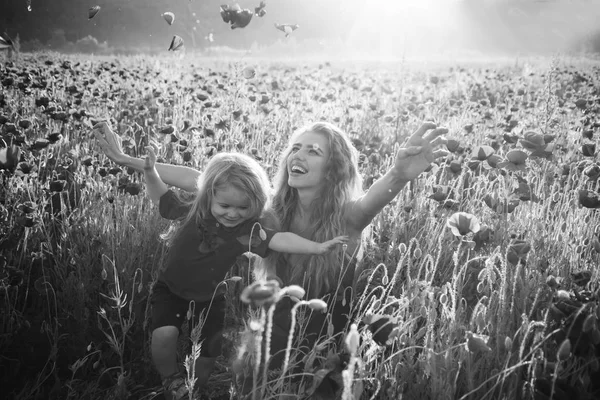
[[329, 245], [417, 154], [109, 142]]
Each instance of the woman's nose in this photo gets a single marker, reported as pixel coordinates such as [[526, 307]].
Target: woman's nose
[[300, 154]]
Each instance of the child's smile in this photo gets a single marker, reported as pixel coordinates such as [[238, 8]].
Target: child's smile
[[230, 206]]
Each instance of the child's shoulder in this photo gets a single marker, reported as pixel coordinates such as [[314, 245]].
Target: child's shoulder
[[173, 205]]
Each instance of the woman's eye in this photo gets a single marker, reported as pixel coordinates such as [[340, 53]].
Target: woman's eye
[[224, 206], [313, 152]]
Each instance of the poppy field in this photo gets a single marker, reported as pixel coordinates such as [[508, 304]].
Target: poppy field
[[479, 281]]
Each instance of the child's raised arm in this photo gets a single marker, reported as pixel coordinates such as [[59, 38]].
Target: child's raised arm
[[287, 242], [154, 185]]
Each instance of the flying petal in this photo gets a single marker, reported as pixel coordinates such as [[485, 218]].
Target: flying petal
[[93, 11], [176, 43], [169, 17]]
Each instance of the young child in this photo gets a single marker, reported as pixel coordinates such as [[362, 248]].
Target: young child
[[219, 225]]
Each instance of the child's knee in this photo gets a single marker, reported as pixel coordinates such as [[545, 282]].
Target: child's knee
[[165, 336]]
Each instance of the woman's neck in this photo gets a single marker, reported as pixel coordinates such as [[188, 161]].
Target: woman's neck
[[305, 202]]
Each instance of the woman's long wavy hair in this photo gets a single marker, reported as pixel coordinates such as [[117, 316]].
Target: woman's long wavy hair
[[235, 169], [343, 182]]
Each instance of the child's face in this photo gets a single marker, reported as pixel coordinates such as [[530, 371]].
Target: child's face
[[230, 206]]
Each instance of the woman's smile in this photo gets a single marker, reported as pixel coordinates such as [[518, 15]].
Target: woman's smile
[[307, 161]]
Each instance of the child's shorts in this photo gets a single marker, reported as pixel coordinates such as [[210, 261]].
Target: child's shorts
[[171, 310]]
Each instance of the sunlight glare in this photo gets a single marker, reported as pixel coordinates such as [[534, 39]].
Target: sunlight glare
[[392, 27]]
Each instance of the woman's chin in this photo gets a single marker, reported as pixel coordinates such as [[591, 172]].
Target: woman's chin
[[293, 182]]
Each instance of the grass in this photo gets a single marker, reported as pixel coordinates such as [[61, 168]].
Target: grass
[[465, 322]]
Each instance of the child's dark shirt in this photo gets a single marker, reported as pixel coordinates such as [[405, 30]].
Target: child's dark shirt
[[202, 253]]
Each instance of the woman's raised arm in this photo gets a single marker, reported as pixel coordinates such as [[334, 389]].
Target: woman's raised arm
[[412, 159], [175, 175]]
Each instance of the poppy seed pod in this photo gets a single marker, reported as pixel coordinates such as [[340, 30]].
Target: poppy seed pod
[[295, 291], [352, 339], [564, 350], [508, 343], [317, 305], [589, 323]]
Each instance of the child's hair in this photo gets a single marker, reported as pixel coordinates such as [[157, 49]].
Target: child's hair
[[236, 169]]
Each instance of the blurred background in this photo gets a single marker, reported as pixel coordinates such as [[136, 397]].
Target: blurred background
[[384, 29]]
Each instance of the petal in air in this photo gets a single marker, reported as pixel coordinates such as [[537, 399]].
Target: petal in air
[[93, 11], [176, 43], [169, 17], [287, 28], [235, 16], [243, 18], [260, 10]]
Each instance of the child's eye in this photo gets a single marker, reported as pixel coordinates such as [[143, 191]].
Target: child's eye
[[224, 206]]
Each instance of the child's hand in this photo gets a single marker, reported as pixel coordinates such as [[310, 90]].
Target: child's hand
[[150, 159], [329, 245]]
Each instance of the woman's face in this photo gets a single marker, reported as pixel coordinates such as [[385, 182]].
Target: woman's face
[[307, 160]]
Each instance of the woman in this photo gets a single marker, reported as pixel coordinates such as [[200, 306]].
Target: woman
[[318, 195]]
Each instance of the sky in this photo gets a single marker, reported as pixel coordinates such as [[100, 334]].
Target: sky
[[379, 28]]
